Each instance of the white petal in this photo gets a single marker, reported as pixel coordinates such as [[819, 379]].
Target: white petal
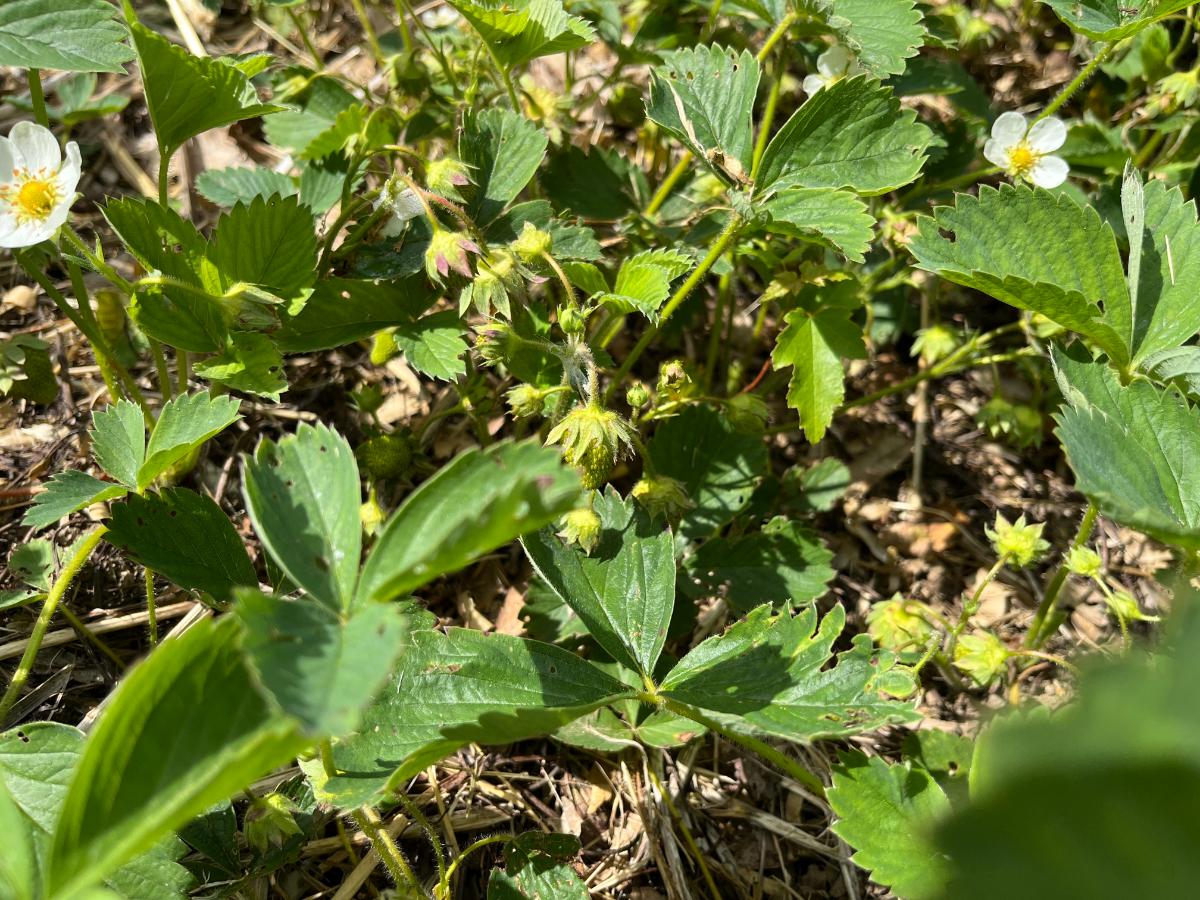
[[68, 175], [833, 62], [1049, 172], [26, 235], [58, 215], [1009, 128], [8, 161], [996, 153], [37, 146], [1048, 135], [812, 84]]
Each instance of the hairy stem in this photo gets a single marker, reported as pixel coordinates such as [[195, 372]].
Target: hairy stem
[[1035, 637], [385, 848]]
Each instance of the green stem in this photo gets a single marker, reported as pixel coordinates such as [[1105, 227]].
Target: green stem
[[766, 751], [568, 288], [728, 236], [714, 336], [83, 549], [183, 372], [37, 97], [318, 64], [444, 882], [1045, 611], [970, 608], [369, 31], [776, 36], [504, 77], [385, 848], [668, 185], [151, 608], [160, 368], [95, 261], [83, 301], [326, 750], [764, 127], [430, 834], [164, 180], [1077, 82]]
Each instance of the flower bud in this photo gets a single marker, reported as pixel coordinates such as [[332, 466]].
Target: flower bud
[[532, 243], [673, 378], [593, 439], [982, 656], [935, 343], [1084, 562], [525, 400], [662, 495], [1125, 607], [446, 176], [582, 526], [570, 319], [387, 456], [371, 514], [899, 626], [1016, 543], [448, 251], [493, 342], [638, 395], [269, 822]]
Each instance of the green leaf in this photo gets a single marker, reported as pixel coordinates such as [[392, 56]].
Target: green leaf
[[184, 729], [1168, 296], [341, 311], [719, 465], [315, 113], [624, 591], [814, 344], [704, 97], [783, 563], [303, 495], [1132, 448], [887, 814], [184, 424], [26, 372], [319, 669], [33, 563], [1037, 251], [453, 689], [765, 675], [185, 537], [1111, 20], [834, 219], [504, 150], [251, 363], [537, 867], [852, 134], [524, 30], [644, 281], [186, 94], [434, 345], [596, 183], [70, 35], [19, 871], [480, 500], [68, 492], [226, 187], [1069, 805], [37, 761], [882, 34], [119, 441], [1179, 367], [269, 243]]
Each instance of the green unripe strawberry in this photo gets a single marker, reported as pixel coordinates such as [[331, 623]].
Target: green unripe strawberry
[[386, 456], [595, 464], [593, 439]]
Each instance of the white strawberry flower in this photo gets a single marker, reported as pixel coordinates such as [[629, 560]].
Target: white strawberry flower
[[37, 186], [1025, 152], [833, 65]]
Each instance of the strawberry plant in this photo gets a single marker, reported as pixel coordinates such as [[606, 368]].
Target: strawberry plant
[[558, 448]]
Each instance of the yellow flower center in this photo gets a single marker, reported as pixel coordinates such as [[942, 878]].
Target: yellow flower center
[[1022, 159], [36, 199]]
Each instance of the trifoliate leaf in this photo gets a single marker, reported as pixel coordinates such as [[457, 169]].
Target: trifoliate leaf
[[1132, 448], [226, 187], [452, 689], [836, 219], [186, 94], [814, 344], [1111, 20], [250, 363], [882, 34], [184, 424], [852, 134], [119, 441], [434, 345], [624, 589], [303, 496], [524, 30], [185, 537], [69, 492], [1037, 251], [887, 814], [704, 96], [71, 35], [766, 675], [504, 150]]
